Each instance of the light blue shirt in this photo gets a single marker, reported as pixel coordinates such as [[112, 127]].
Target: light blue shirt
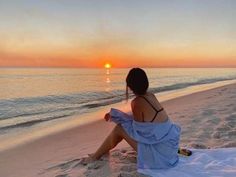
[[158, 143]]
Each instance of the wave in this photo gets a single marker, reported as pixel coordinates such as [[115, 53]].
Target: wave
[[31, 122], [188, 84]]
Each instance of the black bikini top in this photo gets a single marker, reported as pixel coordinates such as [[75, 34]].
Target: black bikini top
[[157, 111]]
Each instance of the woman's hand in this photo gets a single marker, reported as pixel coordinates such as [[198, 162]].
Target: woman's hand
[[107, 117]]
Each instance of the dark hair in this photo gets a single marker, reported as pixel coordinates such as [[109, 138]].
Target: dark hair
[[137, 81]]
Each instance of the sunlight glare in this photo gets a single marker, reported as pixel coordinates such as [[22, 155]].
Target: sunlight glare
[[107, 65]]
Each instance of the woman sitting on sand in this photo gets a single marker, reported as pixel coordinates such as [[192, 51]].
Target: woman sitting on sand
[[149, 131]]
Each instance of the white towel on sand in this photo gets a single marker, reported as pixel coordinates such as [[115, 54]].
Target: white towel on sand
[[203, 163]]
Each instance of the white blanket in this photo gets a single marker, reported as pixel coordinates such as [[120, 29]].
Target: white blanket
[[203, 163]]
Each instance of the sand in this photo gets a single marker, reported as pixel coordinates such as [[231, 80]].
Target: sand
[[207, 119]]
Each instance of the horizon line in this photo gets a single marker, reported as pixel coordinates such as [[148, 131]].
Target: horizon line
[[76, 67]]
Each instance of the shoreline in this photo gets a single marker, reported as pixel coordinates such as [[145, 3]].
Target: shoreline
[[60, 125], [212, 108]]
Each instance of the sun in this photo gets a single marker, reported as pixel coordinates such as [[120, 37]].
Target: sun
[[107, 66]]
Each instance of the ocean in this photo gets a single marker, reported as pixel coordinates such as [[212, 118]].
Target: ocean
[[31, 96]]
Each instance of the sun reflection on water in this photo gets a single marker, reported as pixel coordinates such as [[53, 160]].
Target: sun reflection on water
[[108, 80]]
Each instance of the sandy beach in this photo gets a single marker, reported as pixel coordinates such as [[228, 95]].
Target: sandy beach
[[64, 65], [207, 119]]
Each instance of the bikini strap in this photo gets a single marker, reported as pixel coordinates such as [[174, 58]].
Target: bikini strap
[[149, 103], [157, 111]]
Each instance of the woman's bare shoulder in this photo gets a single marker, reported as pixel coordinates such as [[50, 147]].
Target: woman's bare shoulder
[[137, 102]]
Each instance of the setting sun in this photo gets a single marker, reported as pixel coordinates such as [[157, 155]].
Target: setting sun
[[107, 65]]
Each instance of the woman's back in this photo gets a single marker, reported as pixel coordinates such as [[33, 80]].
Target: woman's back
[[146, 108]]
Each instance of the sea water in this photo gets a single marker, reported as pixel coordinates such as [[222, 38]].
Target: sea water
[[32, 96]]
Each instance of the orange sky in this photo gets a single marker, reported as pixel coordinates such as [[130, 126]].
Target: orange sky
[[66, 34]]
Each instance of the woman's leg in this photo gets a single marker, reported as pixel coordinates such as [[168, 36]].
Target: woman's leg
[[116, 136]]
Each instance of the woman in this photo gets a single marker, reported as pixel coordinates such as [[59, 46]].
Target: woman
[[149, 131]]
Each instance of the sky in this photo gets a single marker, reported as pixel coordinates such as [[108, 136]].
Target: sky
[[125, 33]]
